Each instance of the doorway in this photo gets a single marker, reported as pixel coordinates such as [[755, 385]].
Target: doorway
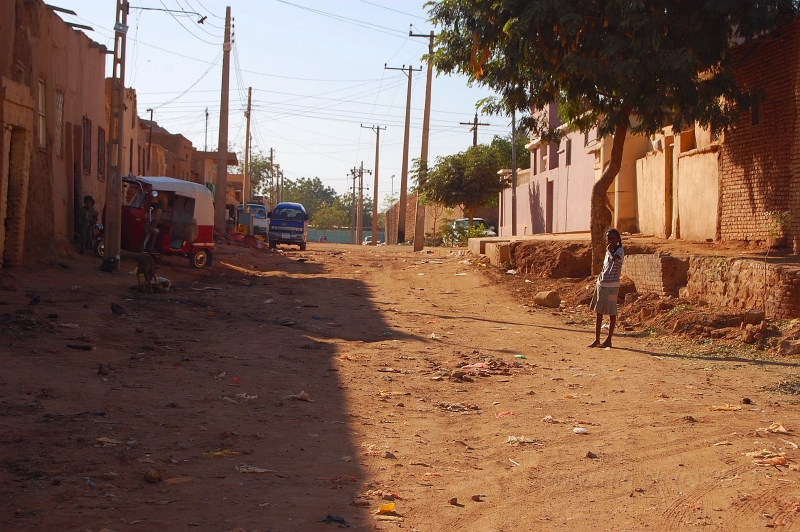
[[548, 209]]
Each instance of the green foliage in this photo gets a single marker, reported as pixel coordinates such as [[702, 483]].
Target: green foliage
[[331, 216], [669, 60], [776, 222], [347, 199], [452, 234], [467, 179], [503, 145], [311, 193], [259, 172]]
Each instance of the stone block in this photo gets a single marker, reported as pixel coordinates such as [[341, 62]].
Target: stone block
[[548, 298], [499, 253], [754, 316], [477, 246]]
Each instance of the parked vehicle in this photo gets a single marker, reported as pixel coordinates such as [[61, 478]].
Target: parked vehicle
[[368, 241], [186, 226], [459, 230], [288, 224], [259, 213]]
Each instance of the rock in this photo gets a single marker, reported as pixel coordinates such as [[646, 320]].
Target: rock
[[716, 333], [387, 454], [645, 313], [453, 501], [683, 292], [754, 316], [591, 455], [748, 337], [477, 497], [152, 477], [663, 306], [458, 374], [549, 298], [746, 401], [631, 297], [787, 347], [626, 286]]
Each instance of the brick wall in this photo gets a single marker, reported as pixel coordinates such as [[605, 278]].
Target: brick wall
[[656, 274], [739, 284], [760, 164]]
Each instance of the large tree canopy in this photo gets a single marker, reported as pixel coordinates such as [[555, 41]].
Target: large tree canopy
[[666, 61], [467, 179], [311, 193]]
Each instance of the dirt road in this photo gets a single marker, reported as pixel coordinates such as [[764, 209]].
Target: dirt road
[[192, 390]]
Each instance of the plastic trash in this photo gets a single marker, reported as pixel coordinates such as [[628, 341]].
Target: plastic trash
[[220, 454], [302, 396], [580, 430], [725, 408], [253, 469], [331, 518], [523, 357], [504, 414], [386, 508]]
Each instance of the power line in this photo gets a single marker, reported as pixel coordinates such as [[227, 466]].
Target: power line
[[390, 9], [193, 84], [187, 29], [347, 20]]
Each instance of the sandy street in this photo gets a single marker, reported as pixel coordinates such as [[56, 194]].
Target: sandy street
[[180, 414]]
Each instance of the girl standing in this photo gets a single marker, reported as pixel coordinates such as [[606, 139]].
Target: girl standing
[[604, 300]]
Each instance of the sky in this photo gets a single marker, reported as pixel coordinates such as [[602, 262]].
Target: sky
[[317, 74]]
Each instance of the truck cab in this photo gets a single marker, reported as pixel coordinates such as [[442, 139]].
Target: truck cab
[[288, 224]]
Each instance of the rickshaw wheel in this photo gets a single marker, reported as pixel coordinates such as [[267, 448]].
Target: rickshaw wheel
[[99, 249], [198, 259]]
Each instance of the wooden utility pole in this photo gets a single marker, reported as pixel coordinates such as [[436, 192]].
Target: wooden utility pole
[[272, 193], [474, 128], [419, 222], [205, 145], [360, 205], [113, 218], [221, 191], [149, 142], [401, 211], [377, 130], [246, 186]]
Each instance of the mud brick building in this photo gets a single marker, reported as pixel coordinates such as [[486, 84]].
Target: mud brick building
[[52, 128], [760, 157]]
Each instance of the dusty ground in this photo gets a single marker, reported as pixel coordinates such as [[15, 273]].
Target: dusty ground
[[373, 337]]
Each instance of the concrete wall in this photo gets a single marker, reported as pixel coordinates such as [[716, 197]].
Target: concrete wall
[[698, 193], [652, 192]]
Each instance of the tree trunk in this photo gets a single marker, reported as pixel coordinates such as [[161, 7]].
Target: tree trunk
[[600, 215]]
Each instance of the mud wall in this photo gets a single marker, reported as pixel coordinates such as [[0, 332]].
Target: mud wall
[[656, 274], [740, 284]]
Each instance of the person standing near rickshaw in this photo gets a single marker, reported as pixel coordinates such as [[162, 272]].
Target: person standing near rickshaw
[[152, 217], [88, 219]]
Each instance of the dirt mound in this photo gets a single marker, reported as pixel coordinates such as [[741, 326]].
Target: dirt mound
[[553, 259]]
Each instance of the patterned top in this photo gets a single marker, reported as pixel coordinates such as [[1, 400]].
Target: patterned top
[[612, 268]]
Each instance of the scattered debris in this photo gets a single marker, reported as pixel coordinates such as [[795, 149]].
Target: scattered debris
[[302, 396], [331, 518], [725, 408], [522, 440]]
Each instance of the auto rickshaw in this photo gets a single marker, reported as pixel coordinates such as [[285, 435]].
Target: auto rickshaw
[[186, 226]]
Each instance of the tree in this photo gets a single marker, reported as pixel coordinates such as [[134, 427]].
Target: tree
[[331, 216], [467, 179], [666, 61], [347, 200], [311, 193], [259, 172]]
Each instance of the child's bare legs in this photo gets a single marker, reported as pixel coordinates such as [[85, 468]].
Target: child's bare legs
[[611, 324], [597, 326]]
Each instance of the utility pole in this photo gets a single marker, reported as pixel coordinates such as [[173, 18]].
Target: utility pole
[[419, 225], [149, 142], [377, 130], [474, 128], [221, 192], [401, 212], [113, 218], [272, 194], [205, 146], [513, 172], [246, 177], [354, 173], [360, 205]]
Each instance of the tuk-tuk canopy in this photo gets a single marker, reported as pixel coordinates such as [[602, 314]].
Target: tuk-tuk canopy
[[203, 200]]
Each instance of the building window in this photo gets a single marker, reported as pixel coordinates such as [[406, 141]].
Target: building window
[[568, 152], [42, 121], [59, 123], [101, 153], [87, 146], [755, 114], [585, 138]]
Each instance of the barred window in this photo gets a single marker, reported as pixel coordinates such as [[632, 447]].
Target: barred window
[[101, 154], [87, 146]]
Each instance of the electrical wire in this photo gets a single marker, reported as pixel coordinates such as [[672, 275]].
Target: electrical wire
[[348, 20], [185, 28], [193, 84], [390, 9]]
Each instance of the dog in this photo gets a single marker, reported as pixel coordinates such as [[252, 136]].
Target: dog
[[146, 267]]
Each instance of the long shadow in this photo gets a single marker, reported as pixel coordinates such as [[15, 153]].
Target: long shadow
[[196, 386], [753, 361]]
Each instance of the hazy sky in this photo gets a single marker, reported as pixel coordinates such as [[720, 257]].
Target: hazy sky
[[317, 72]]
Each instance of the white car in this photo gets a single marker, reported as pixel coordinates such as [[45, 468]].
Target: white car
[[368, 241], [457, 232]]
